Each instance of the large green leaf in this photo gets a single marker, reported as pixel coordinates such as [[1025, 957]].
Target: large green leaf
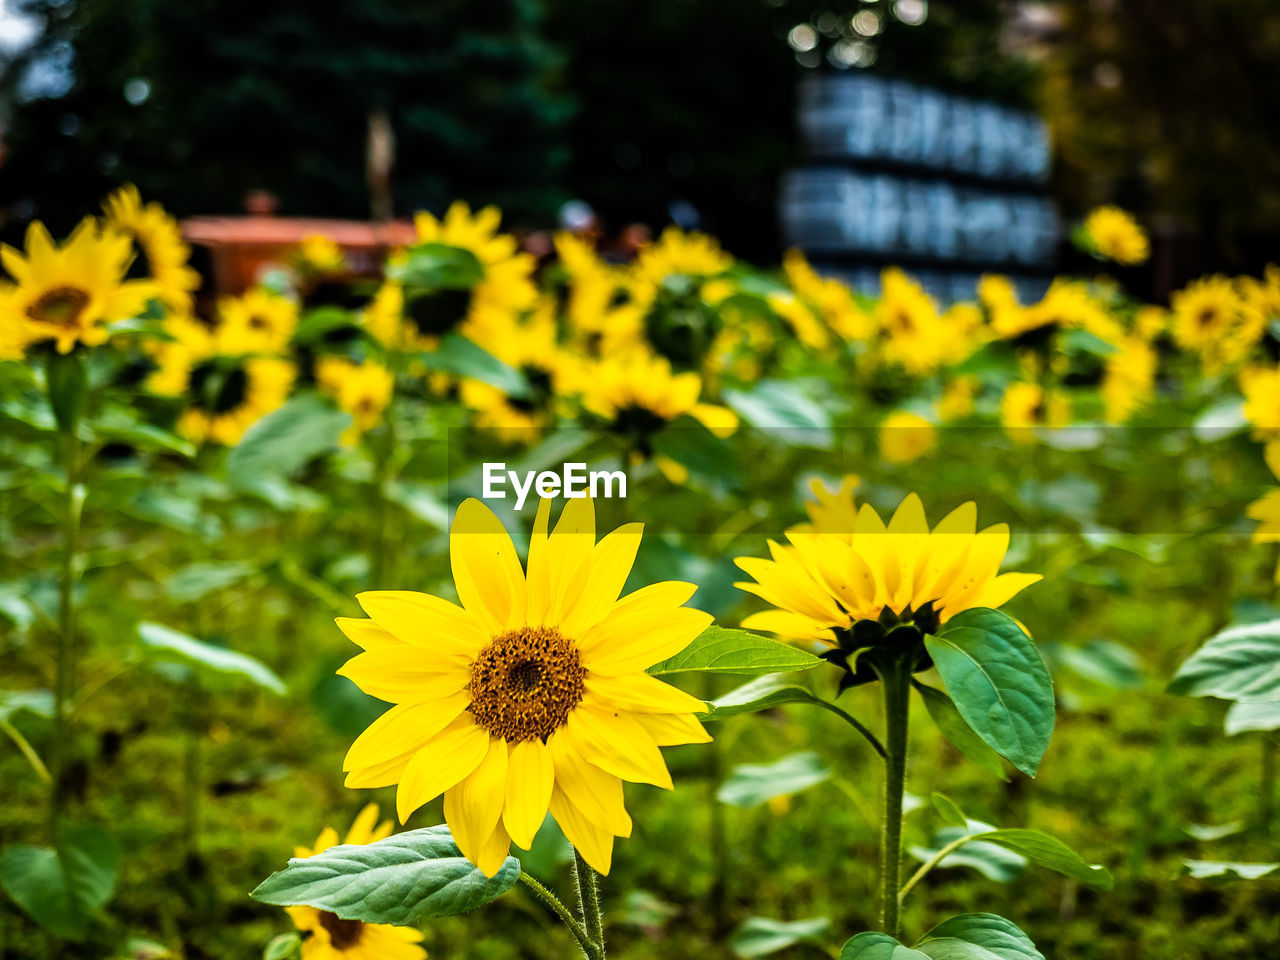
[[286, 439], [957, 732], [404, 879], [999, 684], [1050, 853], [751, 784], [878, 946], [783, 410], [724, 650], [197, 579], [438, 265], [760, 936], [63, 889], [1245, 717], [461, 357], [68, 388], [1240, 663], [169, 645], [760, 694], [1228, 869], [978, 936]]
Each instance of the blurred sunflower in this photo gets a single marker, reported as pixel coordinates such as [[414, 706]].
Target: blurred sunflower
[[1261, 388], [225, 389], [162, 255], [958, 395], [1027, 405], [361, 389], [326, 936], [906, 436], [801, 318], [318, 255], [1129, 378], [831, 511], [530, 346], [1266, 509], [1112, 233], [903, 572], [1212, 320], [258, 320], [678, 285], [602, 314], [1067, 304], [829, 299], [1262, 295], [69, 293], [532, 695]]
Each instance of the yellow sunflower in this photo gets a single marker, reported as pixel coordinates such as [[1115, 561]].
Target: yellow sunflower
[[1266, 509], [1027, 405], [827, 579], [532, 695], [326, 936], [906, 436], [162, 254], [639, 393], [361, 389], [1067, 304], [69, 293], [1262, 295], [260, 321], [1129, 380], [1115, 235], [830, 299], [224, 388], [318, 255], [1211, 319], [603, 315]]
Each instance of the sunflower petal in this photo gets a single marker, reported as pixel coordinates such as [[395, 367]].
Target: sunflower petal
[[486, 569], [530, 776], [450, 756]]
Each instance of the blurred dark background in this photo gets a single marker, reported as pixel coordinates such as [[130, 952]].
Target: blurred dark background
[[1168, 107]]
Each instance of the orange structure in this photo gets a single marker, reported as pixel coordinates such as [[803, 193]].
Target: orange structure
[[240, 249]]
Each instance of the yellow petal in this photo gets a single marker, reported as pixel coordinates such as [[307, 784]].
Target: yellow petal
[[367, 634], [1000, 590], [787, 624], [493, 852], [602, 576], [530, 777], [594, 843], [403, 729], [473, 808], [449, 757], [362, 826], [673, 729], [425, 621], [539, 575], [486, 570], [598, 795], [641, 693], [617, 744], [568, 548], [398, 678]]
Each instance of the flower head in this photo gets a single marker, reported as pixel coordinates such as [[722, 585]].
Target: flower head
[[830, 577], [326, 936], [906, 436], [1115, 235], [361, 389], [162, 254], [69, 293], [530, 696]]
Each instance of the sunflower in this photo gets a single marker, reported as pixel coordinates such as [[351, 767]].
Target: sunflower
[[70, 293], [225, 389], [1262, 295], [603, 315], [361, 389], [260, 321], [1114, 234], [1027, 405], [1266, 509], [958, 395], [162, 254], [326, 936], [1211, 319], [1067, 304], [531, 347], [831, 511], [318, 255], [801, 318], [906, 436], [909, 324], [1261, 389], [828, 298], [826, 580], [532, 695], [1129, 380]]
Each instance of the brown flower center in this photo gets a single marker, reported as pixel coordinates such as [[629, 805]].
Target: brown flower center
[[343, 934], [60, 306], [525, 683]]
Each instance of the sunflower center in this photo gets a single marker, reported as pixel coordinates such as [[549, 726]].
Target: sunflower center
[[525, 683], [343, 934], [436, 312], [216, 390], [60, 306], [1206, 316]]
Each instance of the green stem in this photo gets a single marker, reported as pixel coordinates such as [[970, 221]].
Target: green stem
[[589, 949], [1267, 787], [895, 681], [64, 675], [589, 900], [28, 751], [867, 735], [929, 864]]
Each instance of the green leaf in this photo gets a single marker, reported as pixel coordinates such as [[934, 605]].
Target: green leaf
[[1240, 663], [438, 265], [284, 945], [63, 889], [782, 409], [958, 733], [461, 357], [1220, 421], [690, 444], [878, 946], [144, 436], [286, 439], [724, 650], [404, 879], [318, 323], [998, 682], [198, 579], [993, 861], [760, 694], [1246, 717], [760, 936], [751, 784], [949, 810], [1051, 853], [169, 645], [39, 702], [977, 936], [68, 388], [1228, 870]]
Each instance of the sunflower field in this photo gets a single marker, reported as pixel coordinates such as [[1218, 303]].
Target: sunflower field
[[502, 607]]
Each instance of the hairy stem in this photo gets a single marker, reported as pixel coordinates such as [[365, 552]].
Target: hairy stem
[[895, 681], [589, 900], [64, 671], [589, 949]]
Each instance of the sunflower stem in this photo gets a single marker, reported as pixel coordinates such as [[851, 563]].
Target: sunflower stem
[[64, 670], [589, 900], [589, 949], [895, 681]]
